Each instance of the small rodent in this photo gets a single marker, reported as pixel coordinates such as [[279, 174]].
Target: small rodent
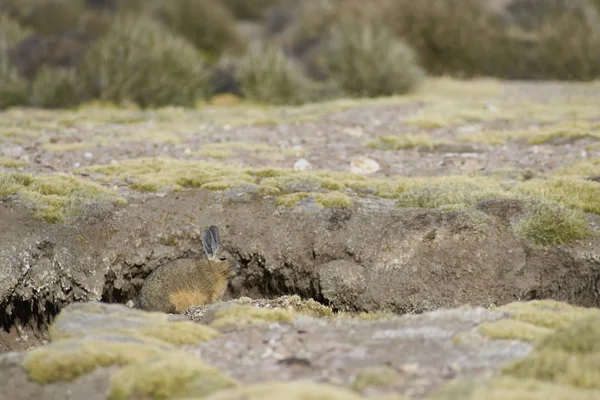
[[174, 287]]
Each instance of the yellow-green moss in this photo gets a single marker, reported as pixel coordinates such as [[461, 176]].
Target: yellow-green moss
[[178, 333], [230, 149], [12, 163], [547, 313], [582, 169], [578, 193], [407, 141], [55, 196], [243, 314], [510, 388], [570, 355], [564, 130], [511, 329], [380, 377], [332, 199], [552, 224], [69, 359], [298, 390], [174, 375], [437, 192]]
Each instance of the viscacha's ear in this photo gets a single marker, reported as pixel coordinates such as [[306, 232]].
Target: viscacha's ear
[[215, 232], [209, 243]]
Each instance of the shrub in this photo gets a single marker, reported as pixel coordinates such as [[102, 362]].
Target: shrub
[[141, 61], [13, 88], [55, 88], [551, 224], [266, 75], [368, 60], [205, 23], [474, 37], [46, 17], [244, 9]]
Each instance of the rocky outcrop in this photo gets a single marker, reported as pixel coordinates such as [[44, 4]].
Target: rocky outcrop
[[373, 256], [298, 349]]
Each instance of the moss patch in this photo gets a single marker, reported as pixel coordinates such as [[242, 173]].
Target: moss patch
[[510, 388], [577, 193], [552, 224], [259, 150], [56, 197], [407, 141], [12, 163], [547, 313], [569, 356], [552, 133], [237, 315], [332, 199], [379, 377], [68, 359], [176, 375], [510, 329], [302, 390], [79, 320]]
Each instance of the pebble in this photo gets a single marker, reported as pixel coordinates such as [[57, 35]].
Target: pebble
[[302, 165], [364, 166]]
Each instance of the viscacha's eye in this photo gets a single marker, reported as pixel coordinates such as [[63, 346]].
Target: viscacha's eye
[[222, 258]]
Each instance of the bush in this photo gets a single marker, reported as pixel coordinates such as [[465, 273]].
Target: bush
[[13, 88], [55, 88], [551, 224], [368, 60], [557, 40], [141, 61], [46, 17], [244, 9], [266, 75], [205, 23]]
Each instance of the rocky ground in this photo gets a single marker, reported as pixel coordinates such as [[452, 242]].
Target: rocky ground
[[415, 206]]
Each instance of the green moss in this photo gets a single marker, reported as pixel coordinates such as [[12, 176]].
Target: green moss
[[368, 60], [55, 196], [166, 377], [511, 329], [380, 377], [582, 169], [178, 333], [12, 163], [562, 131], [242, 314], [407, 141], [230, 149], [547, 313], [510, 388], [570, 192], [433, 193], [552, 224], [81, 319], [570, 356], [309, 306], [289, 390], [69, 359], [332, 199]]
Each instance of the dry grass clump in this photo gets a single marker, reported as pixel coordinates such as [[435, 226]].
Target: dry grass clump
[[369, 61], [266, 75], [141, 61]]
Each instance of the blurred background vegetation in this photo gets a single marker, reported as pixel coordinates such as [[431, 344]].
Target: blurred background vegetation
[[61, 53]]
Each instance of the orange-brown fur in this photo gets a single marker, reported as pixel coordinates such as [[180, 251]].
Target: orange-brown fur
[[174, 287]]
